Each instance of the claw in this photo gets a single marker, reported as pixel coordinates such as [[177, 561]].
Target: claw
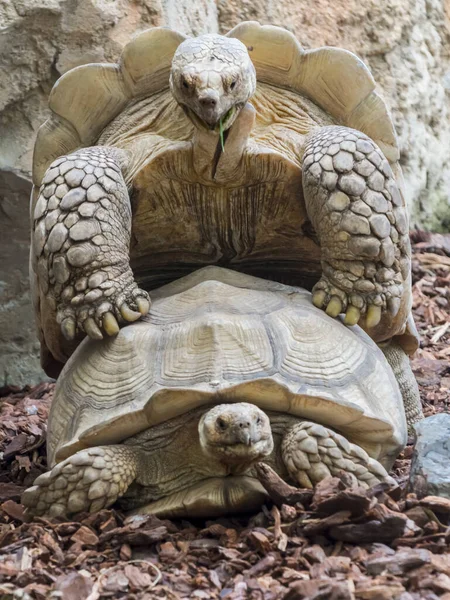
[[393, 305], [68, 328], [110, 324], [91, 328], [373, 316], [128, 314], [143, 306], [319, 298], [334, 307], [352, 315]]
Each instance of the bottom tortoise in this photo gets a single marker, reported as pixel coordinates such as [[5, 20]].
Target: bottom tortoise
[[170, 416]]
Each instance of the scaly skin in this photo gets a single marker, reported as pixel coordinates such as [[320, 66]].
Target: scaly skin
[[312, 452], [89, 480], [356, 208], [82, 225], [399, 362]]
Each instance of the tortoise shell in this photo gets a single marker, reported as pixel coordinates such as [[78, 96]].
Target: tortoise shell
[[219, 336]]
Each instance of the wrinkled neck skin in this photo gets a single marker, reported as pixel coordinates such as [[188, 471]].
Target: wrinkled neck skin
[[213, 162], [212, 78]]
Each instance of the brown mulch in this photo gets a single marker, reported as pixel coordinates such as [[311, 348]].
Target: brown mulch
[[341, 542]]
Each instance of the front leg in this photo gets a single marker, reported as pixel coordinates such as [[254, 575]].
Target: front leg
[[82, 227], [312, 452], [357, 210], [89, 480]]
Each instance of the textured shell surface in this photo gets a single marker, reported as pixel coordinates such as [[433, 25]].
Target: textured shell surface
[[220, 336]]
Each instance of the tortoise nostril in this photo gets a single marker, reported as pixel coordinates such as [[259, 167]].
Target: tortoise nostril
[[243, 424], [208, 102]]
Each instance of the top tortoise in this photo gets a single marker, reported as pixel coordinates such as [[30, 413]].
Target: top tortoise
[[243, 151]]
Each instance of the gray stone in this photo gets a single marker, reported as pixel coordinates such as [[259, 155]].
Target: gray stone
[[430, 466]]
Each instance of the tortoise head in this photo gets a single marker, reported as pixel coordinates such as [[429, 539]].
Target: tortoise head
[[237, 435], [212, 78]]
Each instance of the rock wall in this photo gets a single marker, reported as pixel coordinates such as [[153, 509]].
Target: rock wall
[[405, 42]]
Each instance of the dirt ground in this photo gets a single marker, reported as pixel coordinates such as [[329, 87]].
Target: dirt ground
[[339, 543]]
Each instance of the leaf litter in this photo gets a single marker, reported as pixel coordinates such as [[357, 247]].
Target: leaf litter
[[339, 542]]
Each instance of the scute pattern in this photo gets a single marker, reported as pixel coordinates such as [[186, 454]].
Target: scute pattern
[[155, 371]]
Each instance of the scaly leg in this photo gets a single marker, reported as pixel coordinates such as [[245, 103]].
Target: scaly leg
[[312, 452], [89, 480], [358, 213], [400, 365], [82, 226]]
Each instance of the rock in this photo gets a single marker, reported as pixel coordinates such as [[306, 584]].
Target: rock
[[430, 466], [19, 349]]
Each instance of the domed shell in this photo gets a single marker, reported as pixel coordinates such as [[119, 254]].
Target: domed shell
[[219, 336]]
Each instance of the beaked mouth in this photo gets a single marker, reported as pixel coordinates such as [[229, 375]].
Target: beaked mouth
[[224, 123]]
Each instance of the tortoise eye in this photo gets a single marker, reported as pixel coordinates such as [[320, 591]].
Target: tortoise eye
[[185, 84], [221, 424], [259, 421], [233, 85]]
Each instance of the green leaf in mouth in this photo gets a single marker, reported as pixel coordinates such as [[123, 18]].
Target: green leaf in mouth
[[222, 143]]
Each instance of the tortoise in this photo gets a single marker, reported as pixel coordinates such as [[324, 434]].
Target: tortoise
[[226, 370], [244, 151]]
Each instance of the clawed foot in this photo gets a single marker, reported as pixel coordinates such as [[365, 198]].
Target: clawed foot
[[365, 299], [89, 480], [97, 305]]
